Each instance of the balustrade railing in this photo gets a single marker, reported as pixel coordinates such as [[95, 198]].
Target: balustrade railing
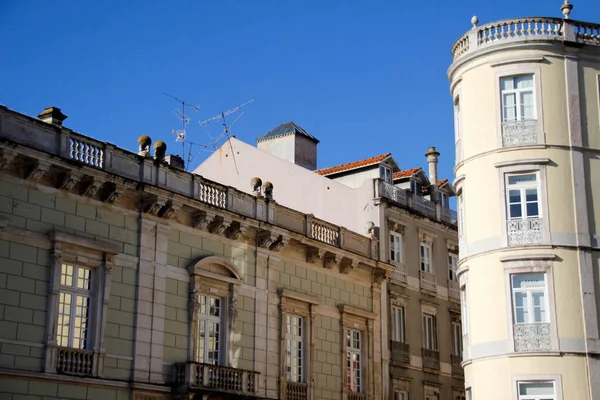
[[526, 29], [532, 337], [448, 215], [424, 206], [357, 396], [400, 273], [428, 281], [394, 193], [524, 231], [212, 195], [85, 151], [74, 361], [400, 352], [296, 391], [456, 366], [195, 375], [325, 233], [431, 358], [453, 291], [519, 133]]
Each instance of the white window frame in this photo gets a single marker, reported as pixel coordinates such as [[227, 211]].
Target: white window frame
[[522, 188], [457, 344], [71, 312], [396, 247], [465, 317], [429, 331], [523, 167], [452, 266], [425, 255], [416, 187], [99, 258], [204, 319], [520, 379], [517, 96], [458, 131], [385, 173], [444, 199], [529, 293], [354, 383], [295, 349], [519, 67], [531, 263], [398, 324]]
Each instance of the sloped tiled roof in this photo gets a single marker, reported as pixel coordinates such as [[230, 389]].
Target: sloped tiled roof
[[442, 182], [288, 128], [353, 165], [406, 173]]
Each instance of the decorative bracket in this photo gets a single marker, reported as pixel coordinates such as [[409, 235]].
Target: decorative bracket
[[279, 243], [265, 238], [153, 205], [170, 209], [91, 188], [330, 260], [6, 158], [37, 170], [202, 219], [348, 265], [379, 275], [69, 180], [235, 230], [313, 254], [219, 224]]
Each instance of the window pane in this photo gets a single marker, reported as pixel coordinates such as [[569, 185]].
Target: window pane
[[514, 196], [536, 388], [509, 107], [515, 211], [523, 81], [506, 83], [539, 307], [528, 281], [532, 210], [516, 179], [521, 309], [527, 106]]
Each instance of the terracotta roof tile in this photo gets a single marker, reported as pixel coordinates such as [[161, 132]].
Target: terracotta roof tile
[[353, 165], [440, 183], [406, 173]]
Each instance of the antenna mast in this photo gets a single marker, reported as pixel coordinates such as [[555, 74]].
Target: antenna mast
[[181, 133]]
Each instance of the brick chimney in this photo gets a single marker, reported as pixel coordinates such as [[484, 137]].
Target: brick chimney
[[175, 161], [52, 115]]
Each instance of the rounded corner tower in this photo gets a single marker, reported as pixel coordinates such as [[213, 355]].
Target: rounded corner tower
[[526, 95]]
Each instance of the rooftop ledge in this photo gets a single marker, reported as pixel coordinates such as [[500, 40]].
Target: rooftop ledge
[[523, 30]]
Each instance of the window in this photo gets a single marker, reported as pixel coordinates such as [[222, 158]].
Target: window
[[425, 257], [353, 361], [429, 332], [529, 298], [400, 395], [464, 312], [452, 266], [395, 247], [461, 215], [294, 348], [398, 324], [209, 330], [415, 187], [536, 390], [517, 93], [468, 394], [457, 130], [74, 307], [444, 199], [456, 339], [385, 173], [523, 196]]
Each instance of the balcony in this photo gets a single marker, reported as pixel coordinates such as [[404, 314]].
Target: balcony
[[296, 391], [400, 352], [424, 206], [428, 281], [532, 337], [192, 376], [448, 215], [519, 133], [400, 273], [357, 396], [457, 369], [74, 361], [431, 359], [522, 232], [516, 30], [453, 291]]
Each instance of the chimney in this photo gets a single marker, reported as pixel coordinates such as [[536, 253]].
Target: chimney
[[175, 161], [52, 115], [432, 162]]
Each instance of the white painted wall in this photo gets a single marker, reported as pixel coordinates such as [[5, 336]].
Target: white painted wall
[[294, 186]]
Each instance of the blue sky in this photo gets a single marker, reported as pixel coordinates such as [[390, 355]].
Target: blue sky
[[365, 77]]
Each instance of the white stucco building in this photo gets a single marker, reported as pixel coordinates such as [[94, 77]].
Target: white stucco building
[[527, 118]]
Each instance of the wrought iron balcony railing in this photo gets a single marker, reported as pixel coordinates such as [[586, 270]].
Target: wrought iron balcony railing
[[428, 281], [400, 352], [431, 358], [457, 369], [532, 337]]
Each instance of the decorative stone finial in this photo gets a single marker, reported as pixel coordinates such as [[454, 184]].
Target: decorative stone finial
[[160, 148], [566, 9], [52, 115], [144, 143], [474, 21], [268, 191], [256, 183]]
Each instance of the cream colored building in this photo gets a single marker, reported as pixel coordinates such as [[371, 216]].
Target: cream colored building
[[526, 97]]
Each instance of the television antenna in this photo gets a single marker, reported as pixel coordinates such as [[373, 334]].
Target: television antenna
[[181, 134], [226, 128]]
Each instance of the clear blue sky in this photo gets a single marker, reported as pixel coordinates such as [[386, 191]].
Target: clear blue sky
[[365, 77]]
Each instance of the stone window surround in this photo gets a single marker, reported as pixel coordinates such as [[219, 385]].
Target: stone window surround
[[303, 305], [537, 165], [530, 65], [204, 279], [431, 389], [557, 379], [430, 309], [530, 263], [399, 228], [362, 321], [400, 385], [99, 257], [401, 301]]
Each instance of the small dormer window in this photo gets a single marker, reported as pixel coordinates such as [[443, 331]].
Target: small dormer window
[[444, 199], [415, 187], [385, 173]]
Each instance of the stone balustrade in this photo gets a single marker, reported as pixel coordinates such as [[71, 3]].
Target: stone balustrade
[[72, 361], [457, 368], [428, 281], [453, 291], [356, 396], [296, 391], [400, 352], [431, 358], [194, 376], [526, 29]]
